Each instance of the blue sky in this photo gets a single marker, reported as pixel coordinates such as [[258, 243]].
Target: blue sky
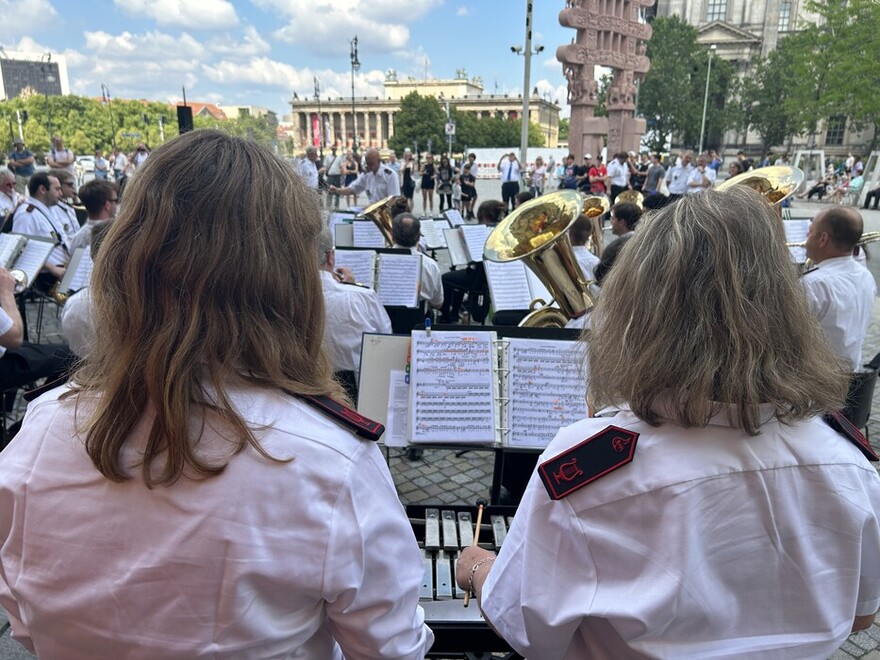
[[261, 51]]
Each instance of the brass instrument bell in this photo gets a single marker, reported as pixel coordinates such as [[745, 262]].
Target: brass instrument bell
[[380, 213], [776, 183], [536, 232], [633, 197]]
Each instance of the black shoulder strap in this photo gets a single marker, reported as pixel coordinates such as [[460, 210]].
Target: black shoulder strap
[[844, 427], [345, 416]]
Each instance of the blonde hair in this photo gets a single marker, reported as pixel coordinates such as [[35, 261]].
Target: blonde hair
[[703, 313], [206, 279]]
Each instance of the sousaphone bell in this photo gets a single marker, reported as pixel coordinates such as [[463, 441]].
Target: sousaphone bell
[[537, 233], [381, 214], [776, 183]]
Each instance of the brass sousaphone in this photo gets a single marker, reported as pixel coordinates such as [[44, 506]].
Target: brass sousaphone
[[536, 232], [381, 214]]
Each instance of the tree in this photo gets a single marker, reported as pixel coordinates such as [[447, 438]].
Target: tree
[[671, 95], [563, 128], [419, 119]]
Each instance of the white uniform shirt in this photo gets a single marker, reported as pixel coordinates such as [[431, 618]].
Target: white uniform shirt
[[6, 324], [711, 543], [36, 219], [265, 560], [77, 324], [841, 294], [383, 183], [509, 170], [619, 173], [431, 289], [83, 237], [308, 171], [67, 217], [349, 312], [7, 203], [586, 260], [677, 179], [697, 177]]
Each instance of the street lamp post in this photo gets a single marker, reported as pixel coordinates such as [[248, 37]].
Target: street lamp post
[[105, 96], [527, 52], [320, 117], [706, 96], [355, 65], [45, 68]]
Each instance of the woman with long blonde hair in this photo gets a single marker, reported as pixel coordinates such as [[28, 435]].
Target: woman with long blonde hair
[[182, 496], [717, 514]]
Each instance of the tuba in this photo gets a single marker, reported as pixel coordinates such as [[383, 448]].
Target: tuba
[[536, 232], [633, 197], [381, 214], [776, 183]]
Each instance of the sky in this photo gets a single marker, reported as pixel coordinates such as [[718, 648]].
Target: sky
[[258, 52]]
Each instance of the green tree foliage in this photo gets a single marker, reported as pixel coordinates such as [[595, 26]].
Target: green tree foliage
[[421, 118], [671, 95], [85, 123], [564, 124]]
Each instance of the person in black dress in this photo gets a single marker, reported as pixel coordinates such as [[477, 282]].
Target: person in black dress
[[429, 174]]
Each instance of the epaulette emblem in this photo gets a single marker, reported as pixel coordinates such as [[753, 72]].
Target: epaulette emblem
[[600, 454]]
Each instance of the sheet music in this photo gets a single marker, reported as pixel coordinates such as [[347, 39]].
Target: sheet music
[[432, 231], [458, 252], [536, 286], [796, 232], [10, 247], [79, 270], [343, 235], [367, 234], [396, 429], [399, 279], [475, 236], [508, 285], [546, 390], [454, 217], [452, 387], [361, 262], [33, 257]]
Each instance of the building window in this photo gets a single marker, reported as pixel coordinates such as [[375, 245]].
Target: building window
[[716, 10], [834, 131], [784, 15]]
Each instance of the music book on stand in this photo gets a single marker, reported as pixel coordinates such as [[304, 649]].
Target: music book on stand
[[466, 243], [396, 278], [25, 253], [432, 231], [79, 271], [513, 286]]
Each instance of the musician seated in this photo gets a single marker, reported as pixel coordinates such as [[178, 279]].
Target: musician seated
[[350, 310], [579, 234], [624, 218], [840, 291], [21, 362], [77, 315], [9, 199], [36, 218], [600, 272], [522, 198], [473, 278], [100, 197], [406, 230], [195, 492], [719, 460]]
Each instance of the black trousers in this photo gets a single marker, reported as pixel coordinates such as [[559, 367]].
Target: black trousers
[[615, 191], [25, 364], [455, 284], [872, 194], [509, 191]]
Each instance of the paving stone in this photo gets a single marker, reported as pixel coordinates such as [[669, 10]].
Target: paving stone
[[852, 649], [841, 655], [864, 640], [873, 655]]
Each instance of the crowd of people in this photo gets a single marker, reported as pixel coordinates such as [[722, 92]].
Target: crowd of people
[[201, 485]]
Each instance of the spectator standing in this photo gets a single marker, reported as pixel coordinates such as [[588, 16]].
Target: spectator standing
[[21, 162]]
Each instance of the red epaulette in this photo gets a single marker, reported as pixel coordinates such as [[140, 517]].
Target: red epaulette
[[839, 422], [350, 419], [29, 208], [603, 453]]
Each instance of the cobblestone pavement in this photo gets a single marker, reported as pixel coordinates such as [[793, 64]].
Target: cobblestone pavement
[[444, 477]]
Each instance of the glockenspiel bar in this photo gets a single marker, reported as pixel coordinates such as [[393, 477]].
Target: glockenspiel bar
[[427, 590], [509, 521], [465, 529], [432, 529], [450, 532], [499, 530], [443, 579]]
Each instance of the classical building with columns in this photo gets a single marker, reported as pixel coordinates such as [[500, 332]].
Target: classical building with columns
[[741, 30], [374, 117]]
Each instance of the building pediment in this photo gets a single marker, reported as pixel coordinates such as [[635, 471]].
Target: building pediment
[[719, 32]]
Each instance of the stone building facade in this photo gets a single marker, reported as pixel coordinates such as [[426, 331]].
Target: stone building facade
[[744, 29], [375, 115]]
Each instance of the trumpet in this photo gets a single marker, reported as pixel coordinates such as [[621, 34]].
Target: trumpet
[[21, 280]]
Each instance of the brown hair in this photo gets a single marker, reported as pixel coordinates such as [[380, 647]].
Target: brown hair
[[96, 193], [206, 280], [703, 313]]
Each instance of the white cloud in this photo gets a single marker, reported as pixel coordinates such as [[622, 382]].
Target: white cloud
[[250, 45], [380, 25], [143, 47], [193, 14], [552, 63], [25, 17], [462, 11]]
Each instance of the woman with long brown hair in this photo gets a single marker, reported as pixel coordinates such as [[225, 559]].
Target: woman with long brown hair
[[718, 514], [182, 496]]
